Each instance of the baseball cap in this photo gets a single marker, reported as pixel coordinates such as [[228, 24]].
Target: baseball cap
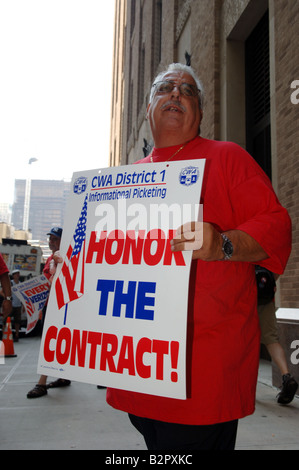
[[56, 231]]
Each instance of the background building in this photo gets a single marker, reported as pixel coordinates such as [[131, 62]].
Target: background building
[[5, 212], [246, 54], [47, 206], [6, 231]]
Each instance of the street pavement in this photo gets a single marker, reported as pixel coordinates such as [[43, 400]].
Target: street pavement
[[78, 418]]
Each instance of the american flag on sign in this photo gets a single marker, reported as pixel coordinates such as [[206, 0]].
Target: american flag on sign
[[69, 285]]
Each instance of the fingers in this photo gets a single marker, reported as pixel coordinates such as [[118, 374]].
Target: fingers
[[57, 257], [188, 237], [53, 264], [200, 237]]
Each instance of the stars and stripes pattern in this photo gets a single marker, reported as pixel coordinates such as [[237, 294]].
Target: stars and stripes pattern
[[69, 285]]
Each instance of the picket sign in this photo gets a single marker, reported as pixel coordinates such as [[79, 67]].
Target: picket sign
[[117, 313]]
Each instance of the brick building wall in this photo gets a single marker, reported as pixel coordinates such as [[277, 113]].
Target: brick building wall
[[287, 134], [205, 22]]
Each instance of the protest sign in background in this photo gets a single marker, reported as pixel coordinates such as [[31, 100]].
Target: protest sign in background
[[33, 294], [117, 312]]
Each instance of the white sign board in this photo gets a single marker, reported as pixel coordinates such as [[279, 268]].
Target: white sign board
[[117, 312], [33, 294]]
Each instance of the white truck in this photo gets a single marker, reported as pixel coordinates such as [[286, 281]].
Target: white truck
[[17, 254]]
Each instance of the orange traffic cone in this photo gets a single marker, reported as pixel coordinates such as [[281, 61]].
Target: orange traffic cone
[[8, 340]]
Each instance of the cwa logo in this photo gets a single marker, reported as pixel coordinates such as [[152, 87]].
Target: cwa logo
[[80, 185], [189, 175], [295, 94]]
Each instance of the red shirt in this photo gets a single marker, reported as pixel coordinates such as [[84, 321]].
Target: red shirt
[[3, 267], [223, 339]]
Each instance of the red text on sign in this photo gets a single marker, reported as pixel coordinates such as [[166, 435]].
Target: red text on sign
[[111, 353], [150, 248]]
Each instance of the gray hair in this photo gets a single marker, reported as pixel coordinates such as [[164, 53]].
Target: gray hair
[[176, 67]]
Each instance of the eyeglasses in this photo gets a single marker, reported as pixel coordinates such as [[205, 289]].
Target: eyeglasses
[[186, 89]]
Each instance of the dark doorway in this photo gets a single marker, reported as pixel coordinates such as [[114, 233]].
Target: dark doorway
[[258, 127]]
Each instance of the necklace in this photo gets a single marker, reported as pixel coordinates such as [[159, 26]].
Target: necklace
[[175, 153]]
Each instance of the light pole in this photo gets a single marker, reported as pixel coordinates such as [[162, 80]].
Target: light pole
[[27, 198]]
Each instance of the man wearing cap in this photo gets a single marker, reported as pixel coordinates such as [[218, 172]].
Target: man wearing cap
[[41, 387], [54, 245]]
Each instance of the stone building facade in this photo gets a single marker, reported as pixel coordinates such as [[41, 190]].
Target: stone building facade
[[246, 54]]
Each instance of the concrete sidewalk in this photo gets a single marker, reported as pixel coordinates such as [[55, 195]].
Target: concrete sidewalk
[[77, 417]]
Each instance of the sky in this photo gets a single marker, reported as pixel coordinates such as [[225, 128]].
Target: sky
[[55, 88]]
